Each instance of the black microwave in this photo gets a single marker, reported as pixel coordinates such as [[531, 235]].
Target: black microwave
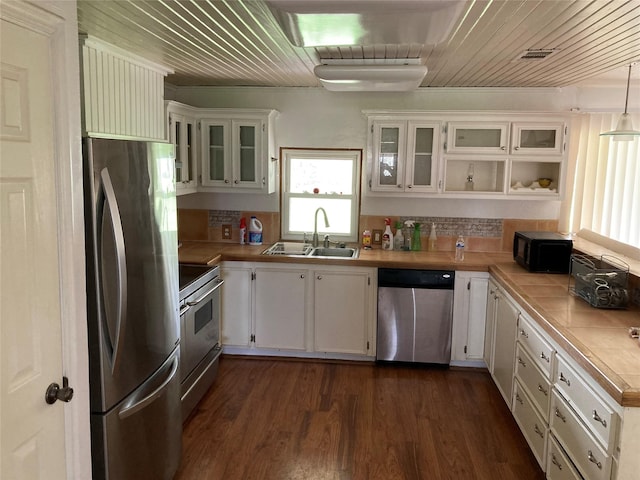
[[542, 251]]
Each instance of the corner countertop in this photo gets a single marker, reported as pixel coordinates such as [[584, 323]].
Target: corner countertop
[[596, 339]]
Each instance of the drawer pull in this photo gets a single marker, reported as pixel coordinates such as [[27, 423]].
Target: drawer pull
[[544, 357], [538, 431], [555, 461], [545, 392], [561, 416], [521, 362], [597, 418], [593, 459], [518, 399], [524, 334], [565, 380]]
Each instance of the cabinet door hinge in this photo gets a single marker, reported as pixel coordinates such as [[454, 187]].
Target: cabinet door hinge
[[263, 127], [253, 275], [253, 338], [465, 349], [199, 126], [368, 280], [372, 128], [469, 285], [367, 346]]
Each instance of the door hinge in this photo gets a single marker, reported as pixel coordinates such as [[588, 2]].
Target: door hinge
[[371, 128], [368, 283], [253, 338], [465, 349], [469, 285], [253, 275], [199, 128], [367, 346]]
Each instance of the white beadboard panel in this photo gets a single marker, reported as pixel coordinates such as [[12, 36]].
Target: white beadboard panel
[[123, 96], [239, 43]]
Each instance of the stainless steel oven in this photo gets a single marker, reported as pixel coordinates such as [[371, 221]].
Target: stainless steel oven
[[200, 346]]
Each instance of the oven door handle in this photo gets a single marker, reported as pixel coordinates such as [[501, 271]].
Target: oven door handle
[[213, 289], [184, 309]]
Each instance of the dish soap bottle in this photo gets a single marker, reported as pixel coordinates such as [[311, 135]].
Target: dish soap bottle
[[460, 249], [387, 236], [433, 239], [415, 241], [398, 239]]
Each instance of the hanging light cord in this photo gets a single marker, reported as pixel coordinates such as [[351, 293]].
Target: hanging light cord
[[626, 100]]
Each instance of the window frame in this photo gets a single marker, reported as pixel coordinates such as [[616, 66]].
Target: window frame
[[286, 154]]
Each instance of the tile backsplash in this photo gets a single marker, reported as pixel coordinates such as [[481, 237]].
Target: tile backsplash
[[481, 234]]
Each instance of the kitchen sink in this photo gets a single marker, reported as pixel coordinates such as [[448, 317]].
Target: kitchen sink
[[335, 252], [293, 249]]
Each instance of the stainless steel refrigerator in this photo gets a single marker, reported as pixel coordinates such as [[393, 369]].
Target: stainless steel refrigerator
[[132, 303]]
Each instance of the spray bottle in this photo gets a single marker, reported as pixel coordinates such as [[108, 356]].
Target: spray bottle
[[387, 236], [433, 239]]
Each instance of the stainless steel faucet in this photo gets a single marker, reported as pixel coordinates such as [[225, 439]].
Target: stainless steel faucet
[[315, 242]]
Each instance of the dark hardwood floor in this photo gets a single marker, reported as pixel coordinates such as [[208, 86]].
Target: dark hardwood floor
[[286, 419]]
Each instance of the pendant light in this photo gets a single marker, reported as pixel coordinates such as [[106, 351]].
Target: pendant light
[[624, 131]]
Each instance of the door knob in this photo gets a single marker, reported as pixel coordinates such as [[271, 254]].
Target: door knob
[[55, 392]]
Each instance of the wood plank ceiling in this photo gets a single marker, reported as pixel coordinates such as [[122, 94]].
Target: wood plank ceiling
[[238, 42]]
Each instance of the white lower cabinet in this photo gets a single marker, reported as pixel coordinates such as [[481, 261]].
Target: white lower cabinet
[[298, 310], [559, 467], [469, 314], [504, 345], [280, 295], [532, 424], [342, 311], [589, 457], [236, 304], [573, 426]]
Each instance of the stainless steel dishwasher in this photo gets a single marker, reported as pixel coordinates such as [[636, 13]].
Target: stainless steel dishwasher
[[415, 312]]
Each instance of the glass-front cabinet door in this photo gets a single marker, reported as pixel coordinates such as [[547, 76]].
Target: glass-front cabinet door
[[216, 153], [477, 137], [537, 138], [389, 142], [247, 153], [182, 135], [422, 157]]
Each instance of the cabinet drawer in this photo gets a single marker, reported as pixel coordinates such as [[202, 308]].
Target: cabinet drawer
[[541, 351], [580, 445], [533, 427], [593, 410], [559, 467], [533, 380]]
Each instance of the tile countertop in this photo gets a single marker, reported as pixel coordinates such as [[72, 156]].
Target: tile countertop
[[595, 338]]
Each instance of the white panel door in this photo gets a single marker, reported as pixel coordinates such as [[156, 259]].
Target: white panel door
[[42, 325]]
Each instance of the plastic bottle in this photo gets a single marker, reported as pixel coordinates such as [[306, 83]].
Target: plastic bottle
[[398, 238], [366, 239], [387, 236], [408, 230], [416, 244], [433, 239], [460, 249], [255, 231], [243, 231]]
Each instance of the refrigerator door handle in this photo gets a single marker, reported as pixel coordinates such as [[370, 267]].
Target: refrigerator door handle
[[121, 266], [134, 405]]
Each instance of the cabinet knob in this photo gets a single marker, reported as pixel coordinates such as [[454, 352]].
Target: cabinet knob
[[399, 185], [516, 148], [409, 186], [319, 277], [236, 182], [226, 180], [302, 275], [503, 148]]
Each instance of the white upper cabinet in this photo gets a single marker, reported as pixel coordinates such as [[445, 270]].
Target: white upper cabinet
[[477, 137], [181, 124], [405, 155], [497, 155], [537, 138], [238, 150]]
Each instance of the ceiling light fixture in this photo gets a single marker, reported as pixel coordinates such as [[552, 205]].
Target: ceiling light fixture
[[381, 75], [624, 131]]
